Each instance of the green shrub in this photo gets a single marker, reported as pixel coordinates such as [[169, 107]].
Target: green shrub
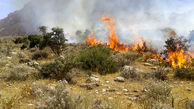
[[58, 69], [55, 40], [185, 73], [157, 93], [35, 40], [97, 58], [40, 55], [20, 40], [126, 58]]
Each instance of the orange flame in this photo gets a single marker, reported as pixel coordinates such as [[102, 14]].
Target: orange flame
[[177, 58], [93, 41], [113, 41]]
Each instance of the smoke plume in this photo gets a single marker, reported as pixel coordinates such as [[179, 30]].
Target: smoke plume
[[143, 18]]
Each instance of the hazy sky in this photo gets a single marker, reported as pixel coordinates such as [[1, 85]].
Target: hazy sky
[[7, 6]]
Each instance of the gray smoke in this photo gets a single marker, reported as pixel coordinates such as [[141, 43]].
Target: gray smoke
[[143, 18]]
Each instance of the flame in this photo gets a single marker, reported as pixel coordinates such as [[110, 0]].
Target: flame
[[177, 58], [93, 41], [113, 41], [174, 58]]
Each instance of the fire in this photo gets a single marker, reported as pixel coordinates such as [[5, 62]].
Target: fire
[[140, 46], [93, 41], [177, 58], [113, 41]]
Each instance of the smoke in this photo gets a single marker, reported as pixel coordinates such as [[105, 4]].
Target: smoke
[[145, 18]]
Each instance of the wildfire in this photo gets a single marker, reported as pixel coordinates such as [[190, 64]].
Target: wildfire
[[93, 41], [113, 41], [176, 58]]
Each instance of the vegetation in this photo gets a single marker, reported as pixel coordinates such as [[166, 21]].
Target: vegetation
[[40, 55], [97, 58], [58, 69], [158, 94], [160, 73], [55, 40], [185, 73]]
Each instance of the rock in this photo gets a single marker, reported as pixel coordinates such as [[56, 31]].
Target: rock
[[110, 98], [125, 90], [103, 90], [153, 68], [118, 93], [83, 85], [132, 98], [188, 89], [30, 104], [89, 87], [154, 61], [119, 79], [147, 64], [92, 79], [130, 72], [107, 81], [135, 91], [112, 90], [96, 92]]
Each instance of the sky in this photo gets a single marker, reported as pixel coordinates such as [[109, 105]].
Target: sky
[[8, 6]]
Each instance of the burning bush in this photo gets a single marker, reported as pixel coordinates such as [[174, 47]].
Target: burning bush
[[176, 49], [98, 58]]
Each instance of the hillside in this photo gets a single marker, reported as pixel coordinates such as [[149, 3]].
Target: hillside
[[131, 87]]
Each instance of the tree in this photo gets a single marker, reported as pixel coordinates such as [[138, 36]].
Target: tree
[[55, 40]]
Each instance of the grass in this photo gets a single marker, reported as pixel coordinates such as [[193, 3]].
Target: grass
[[20, 94]]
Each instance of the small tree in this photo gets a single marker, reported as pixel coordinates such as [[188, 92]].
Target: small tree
[[55, 40]]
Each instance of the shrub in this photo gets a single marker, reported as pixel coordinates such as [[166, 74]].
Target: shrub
[[20, 40], [55, 40], [157, 92], [160, 73], [58, 69], [97, 58], [17, 73], [126, 58], [35, 40], [54, 97], [185, 73], [40, 55]]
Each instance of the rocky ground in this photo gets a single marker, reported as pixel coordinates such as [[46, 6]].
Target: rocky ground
[[121, 90]]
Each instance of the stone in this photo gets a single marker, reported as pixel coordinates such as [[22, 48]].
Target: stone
[[147, 64], [107, 81], [110, 98], [130, 72], [132, 98], [112, 90], [153, 68], [119, 79], [103, 90], [135, 91], [89, 87], [92, 79], [83, 85], [188, 89], [154, 61], [125, 90]]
